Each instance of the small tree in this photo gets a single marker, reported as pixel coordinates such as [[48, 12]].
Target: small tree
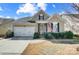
[[76, 6]]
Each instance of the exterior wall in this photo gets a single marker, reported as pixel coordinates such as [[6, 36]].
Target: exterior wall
[[36, 28], [61, 29]]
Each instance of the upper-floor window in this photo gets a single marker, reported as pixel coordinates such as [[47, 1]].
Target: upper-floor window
[[41, 17]]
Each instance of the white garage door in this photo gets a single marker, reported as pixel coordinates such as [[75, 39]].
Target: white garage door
[[24, 31]]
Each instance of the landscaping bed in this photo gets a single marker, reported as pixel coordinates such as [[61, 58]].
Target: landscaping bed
[[48, 48]]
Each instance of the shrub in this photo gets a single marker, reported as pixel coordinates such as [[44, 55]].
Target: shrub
[[9, 34], [69, 35], [48, 35], [36, 35], [59, 35]]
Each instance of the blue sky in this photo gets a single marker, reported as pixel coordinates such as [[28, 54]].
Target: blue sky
[[19, 10]]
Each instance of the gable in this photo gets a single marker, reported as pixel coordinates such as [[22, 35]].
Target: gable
[[56, 18], [38, 14]]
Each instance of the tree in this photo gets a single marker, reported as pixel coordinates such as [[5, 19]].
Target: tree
[[76, 6]]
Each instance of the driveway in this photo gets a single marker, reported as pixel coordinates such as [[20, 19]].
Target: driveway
[[8, 47], [14, 47]]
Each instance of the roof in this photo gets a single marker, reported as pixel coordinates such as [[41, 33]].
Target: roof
[[74, 17], [55, 17], [22, 23]]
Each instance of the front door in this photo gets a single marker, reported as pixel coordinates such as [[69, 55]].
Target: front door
[[55, 27], [42, 28]]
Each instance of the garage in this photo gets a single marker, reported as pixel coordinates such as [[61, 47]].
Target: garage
[[24, 29]]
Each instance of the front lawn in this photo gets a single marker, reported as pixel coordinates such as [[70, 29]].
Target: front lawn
[[48, 48]]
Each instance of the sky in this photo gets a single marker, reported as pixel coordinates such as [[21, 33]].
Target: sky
[[19, 10]]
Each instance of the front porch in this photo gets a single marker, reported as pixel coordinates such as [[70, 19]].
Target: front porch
[[45, 26]]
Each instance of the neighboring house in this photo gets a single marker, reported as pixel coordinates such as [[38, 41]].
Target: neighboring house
[[71, 22], [40, 22], [5, 25]]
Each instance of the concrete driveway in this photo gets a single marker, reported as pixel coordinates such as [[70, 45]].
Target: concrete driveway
[[8, 47]]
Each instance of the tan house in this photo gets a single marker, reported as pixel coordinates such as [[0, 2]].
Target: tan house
[[40, 22]]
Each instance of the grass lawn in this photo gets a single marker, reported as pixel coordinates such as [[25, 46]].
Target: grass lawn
[[49, 48]]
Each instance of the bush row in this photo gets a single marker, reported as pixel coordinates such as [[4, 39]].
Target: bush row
[[52, 35], [8, 34]]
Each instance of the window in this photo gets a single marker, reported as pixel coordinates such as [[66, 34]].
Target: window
[[41, 17]]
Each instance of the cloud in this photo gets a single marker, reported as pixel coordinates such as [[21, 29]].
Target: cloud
[[53, 6], [65, 12], [69, 12], [26, 8], [5, 16], [1, 16], [15, 17], [31, 8], [1, 9], [42, 6]]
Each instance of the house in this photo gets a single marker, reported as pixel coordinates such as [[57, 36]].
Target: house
[[5, 25], [40, 22], [71, 23]]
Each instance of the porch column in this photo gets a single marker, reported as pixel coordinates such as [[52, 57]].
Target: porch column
[[46, 26], [38, 27]]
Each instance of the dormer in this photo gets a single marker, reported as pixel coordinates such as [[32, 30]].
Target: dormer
[[40, 15]]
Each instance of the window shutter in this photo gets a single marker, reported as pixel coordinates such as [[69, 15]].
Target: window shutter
[[58, 27], [51, 27], [43, 17], [46, 27], [39, 17]]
